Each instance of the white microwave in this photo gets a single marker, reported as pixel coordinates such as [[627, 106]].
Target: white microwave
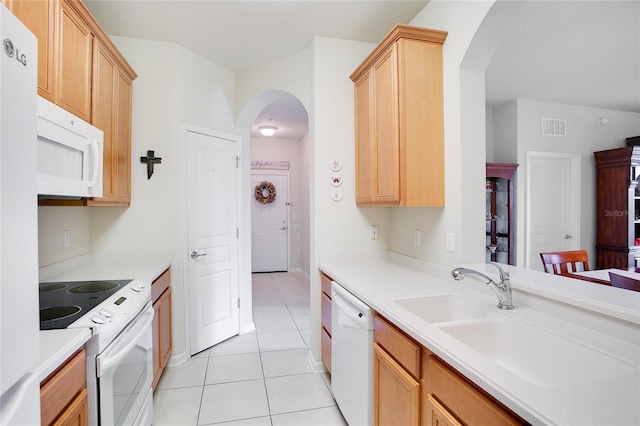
[[69, 154]]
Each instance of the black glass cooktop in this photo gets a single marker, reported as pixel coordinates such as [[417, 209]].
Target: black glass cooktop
[[62, 303]]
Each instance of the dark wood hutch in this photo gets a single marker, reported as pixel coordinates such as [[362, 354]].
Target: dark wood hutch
[[618, 207]]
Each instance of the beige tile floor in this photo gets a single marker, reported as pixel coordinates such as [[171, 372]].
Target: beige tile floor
[[262, 378]]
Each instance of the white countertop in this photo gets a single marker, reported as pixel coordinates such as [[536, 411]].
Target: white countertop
[[57, 345], [379, 282], [86, 268]]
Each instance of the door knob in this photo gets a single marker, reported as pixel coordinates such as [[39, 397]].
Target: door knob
[[195, 254], [284, 228], [567, 237]]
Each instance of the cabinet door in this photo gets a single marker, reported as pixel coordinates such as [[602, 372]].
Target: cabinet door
[[111, 113], [40, 17], [164, 327], [364, 140], [102, 112], [162, 339], [155, 329], [386, 136], [325, 348], [76, 414], [436, 415], [396, 394], [122, 182], [74, 63]]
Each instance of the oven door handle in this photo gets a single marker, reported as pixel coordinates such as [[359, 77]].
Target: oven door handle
[[113, 356]]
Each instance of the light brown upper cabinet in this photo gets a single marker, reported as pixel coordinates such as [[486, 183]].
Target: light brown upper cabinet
[[74, 57], [399, 121], [111, 112], [81, 70]]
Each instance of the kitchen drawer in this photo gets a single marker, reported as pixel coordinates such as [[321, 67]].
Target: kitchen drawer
[[401, 347], [61, 387], [325, 309], [462, 398], [160, 284], [326, 349], [325, 284]]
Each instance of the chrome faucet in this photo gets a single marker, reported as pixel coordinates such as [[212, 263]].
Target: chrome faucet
[[502, 289]]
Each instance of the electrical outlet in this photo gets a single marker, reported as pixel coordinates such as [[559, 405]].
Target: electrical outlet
[[66, 238], [373, 232], [450, 239], [417, 237]]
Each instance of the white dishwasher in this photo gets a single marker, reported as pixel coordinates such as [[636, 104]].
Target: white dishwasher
[[352, 356]]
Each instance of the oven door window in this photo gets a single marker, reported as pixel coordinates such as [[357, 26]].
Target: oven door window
[[125, 373]]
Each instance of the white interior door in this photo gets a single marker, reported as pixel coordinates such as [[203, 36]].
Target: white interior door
[[212, 179], [270, 226], [553, 204]]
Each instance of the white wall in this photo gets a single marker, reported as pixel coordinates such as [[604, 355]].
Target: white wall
[[257, 87], [505, 136], [465, 148], [52, 221], [584, 136], [517, 129], [274, 149], [336, 227], [173, 86], [304, 209]]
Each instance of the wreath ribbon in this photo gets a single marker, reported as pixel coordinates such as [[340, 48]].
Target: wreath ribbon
[[265, 192]]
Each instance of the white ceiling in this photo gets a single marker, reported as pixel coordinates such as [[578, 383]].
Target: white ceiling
[[583, 53], [573, 52]]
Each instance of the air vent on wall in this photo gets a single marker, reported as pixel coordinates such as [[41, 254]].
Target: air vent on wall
[[554, 127]]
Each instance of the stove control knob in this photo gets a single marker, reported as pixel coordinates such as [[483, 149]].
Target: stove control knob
[[136, 288], [105, 314], [98, 320]]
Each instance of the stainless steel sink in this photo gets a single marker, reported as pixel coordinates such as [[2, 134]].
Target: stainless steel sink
[[437, 309]]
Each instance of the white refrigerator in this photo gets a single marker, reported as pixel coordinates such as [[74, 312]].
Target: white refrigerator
[[19, 303]]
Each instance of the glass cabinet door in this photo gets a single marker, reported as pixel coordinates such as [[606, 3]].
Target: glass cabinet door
[[500, 218]]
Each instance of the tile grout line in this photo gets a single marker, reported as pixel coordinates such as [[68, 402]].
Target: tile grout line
[[204, 382]]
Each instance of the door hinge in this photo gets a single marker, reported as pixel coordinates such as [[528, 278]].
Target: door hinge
[[238, 303], [238, 233], [238, 161]]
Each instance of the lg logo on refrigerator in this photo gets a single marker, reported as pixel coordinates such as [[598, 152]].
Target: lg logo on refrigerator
[[11, 52]]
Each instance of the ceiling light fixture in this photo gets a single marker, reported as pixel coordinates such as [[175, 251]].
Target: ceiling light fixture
[[268, 130]]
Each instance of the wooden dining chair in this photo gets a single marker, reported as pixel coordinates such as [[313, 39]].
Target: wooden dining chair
[[622, 281], [564, 262]]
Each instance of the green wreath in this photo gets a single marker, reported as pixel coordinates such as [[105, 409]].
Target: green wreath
[[265, 192]]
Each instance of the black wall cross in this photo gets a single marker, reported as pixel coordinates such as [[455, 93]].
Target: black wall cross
[[150, 160]]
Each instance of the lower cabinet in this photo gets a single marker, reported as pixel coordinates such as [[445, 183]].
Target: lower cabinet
[[396, 393], [452, 396], [414, 387], [436, 415], [396, 373], [63, 395], [162, 338], [325, 314]]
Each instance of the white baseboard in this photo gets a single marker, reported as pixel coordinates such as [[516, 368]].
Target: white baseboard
[[300, 270], [317, 366]]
